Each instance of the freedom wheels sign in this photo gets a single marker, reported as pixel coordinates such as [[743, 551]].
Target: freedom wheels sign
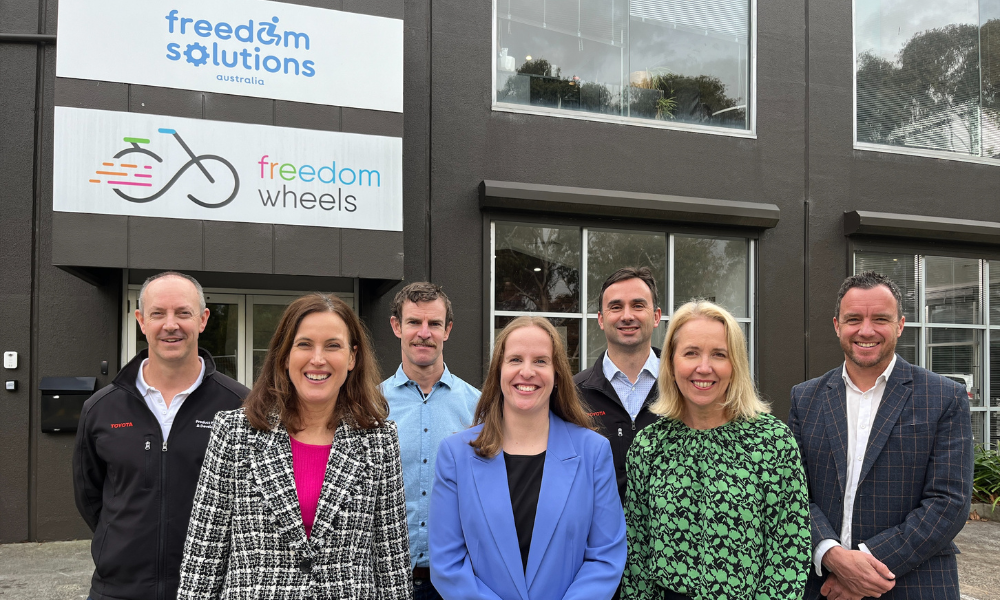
[[133, 164], [261, 49]]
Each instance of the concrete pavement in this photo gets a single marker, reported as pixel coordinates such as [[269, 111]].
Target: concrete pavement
[[979, 562], [62, 570], [49, 571]]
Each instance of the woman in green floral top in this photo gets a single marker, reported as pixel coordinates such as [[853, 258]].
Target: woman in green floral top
[[717, 507]]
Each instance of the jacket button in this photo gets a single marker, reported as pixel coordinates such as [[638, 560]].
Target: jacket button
[[306, 565]]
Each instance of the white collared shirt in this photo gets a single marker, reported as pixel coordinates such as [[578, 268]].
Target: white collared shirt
[[633, 394], [861, 409], [154, 399]]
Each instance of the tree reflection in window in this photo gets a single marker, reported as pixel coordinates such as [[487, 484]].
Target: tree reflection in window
[[712, 269], [537, 268], [608, 251], [938, 90], [665, 60]]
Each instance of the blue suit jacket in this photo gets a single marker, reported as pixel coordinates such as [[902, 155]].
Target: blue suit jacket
[[916, 478], [578, 541]]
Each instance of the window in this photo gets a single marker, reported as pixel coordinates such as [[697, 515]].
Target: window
[[239, 329], [927, 76], [683, 63], [952, 311], [556, 271]]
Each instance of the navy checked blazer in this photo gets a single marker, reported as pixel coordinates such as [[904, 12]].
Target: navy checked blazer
[[915, 487]]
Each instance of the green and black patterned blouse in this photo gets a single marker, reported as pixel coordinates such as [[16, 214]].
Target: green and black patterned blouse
[[717, 514]]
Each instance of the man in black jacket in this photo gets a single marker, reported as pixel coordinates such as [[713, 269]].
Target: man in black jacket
[[141, 442], [621, 385]]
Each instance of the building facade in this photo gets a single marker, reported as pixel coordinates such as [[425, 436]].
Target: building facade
[[751, 153]]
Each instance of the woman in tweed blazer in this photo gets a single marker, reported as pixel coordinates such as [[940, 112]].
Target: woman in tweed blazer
[[247, 538]]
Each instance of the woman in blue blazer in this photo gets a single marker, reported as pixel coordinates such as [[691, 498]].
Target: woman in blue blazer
[[525, 504]]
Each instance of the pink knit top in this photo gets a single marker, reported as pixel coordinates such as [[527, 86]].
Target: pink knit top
[[309, 465]]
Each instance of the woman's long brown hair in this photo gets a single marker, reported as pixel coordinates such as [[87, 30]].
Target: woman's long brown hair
[[564, 401], [360, 401]]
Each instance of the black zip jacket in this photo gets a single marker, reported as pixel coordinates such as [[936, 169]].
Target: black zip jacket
[[135, 489], [606, 408]]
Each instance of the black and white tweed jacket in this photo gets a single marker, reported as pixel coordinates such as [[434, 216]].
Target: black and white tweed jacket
[[246, 538]]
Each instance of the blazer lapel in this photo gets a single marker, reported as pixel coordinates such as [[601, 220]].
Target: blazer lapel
[[898, 391], [271, 466], [494, 495], [561, 463], [835, 413], [344, 472]]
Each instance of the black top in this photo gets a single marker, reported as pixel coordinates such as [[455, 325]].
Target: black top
[[524, 478]]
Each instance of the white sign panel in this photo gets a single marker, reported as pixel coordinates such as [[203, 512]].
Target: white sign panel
[[261, 49], [116, 163]]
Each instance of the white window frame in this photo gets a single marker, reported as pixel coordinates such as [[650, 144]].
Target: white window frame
[[667, 308], [750, 133], [923, 325]]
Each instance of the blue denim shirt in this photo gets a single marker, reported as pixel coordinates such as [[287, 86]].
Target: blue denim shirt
[[423, 421]]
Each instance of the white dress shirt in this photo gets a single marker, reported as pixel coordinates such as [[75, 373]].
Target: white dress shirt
[[154, 399], [861, 409]]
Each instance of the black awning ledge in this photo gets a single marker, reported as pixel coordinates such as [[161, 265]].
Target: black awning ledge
[[506, 195], [862, 222]]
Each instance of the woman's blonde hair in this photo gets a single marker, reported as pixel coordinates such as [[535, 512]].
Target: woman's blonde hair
[[564, 400], [742, 401]]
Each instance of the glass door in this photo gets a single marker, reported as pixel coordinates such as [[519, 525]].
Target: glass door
[[262, 317], [238, 333], [223, 336]]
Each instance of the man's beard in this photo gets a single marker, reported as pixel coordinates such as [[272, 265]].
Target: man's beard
[[888, 347]]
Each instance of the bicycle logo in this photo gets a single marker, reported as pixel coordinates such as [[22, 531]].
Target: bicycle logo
[[133, 175]]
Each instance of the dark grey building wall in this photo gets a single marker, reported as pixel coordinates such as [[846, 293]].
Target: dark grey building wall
[[843, 179], [802, 160], [18, 68], [59, 324], [548, 150]]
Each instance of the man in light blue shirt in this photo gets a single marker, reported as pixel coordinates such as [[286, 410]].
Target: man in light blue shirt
[[428, 404]]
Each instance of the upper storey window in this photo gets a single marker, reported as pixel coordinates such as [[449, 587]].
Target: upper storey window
[[927, 77], [676, 63]]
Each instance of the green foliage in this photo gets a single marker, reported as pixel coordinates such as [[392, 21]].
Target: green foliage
[[665, 108], [692, 99], [986, 476]]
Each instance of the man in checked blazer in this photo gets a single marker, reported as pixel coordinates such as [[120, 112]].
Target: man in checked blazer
[[887, 448]]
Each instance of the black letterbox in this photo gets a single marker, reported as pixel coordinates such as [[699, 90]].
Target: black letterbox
[[62, 400]]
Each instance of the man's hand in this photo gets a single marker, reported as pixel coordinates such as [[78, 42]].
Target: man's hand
[[833, 589], [859, 573]]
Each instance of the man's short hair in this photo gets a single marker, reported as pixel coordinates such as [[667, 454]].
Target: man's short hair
[[645, 274], [152, 278], [421, 291], [867, 280]]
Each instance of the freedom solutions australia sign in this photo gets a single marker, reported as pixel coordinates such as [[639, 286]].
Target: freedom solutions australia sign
[[261, 49], [144, 165]]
